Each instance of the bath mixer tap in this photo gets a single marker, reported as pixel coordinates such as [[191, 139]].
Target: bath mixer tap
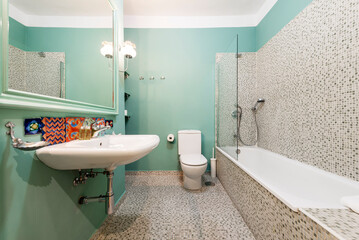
[[98, 128]]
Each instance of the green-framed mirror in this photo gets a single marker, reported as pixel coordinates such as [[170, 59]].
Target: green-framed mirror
[[51, 58]]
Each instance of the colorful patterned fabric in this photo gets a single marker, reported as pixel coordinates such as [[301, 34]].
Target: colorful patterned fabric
[[32, 126], [73, 125], [53, 130]]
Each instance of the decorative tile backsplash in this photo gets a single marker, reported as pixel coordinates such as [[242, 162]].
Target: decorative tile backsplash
[[58, 130], [101, 121], [33, 126], [109, 123], [53, 130], [73, 125]]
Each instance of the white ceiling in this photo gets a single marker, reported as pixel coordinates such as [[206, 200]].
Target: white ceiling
[[63, 7], [192, 7], [142, 13]]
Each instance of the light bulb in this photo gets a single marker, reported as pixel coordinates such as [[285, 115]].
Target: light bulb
[[107, 49], [128, 49]]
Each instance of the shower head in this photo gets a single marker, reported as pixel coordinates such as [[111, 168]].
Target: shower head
[[255, 108]]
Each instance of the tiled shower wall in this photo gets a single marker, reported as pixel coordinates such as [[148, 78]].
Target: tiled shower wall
[[308, 75], [30, 72], [247, 81]]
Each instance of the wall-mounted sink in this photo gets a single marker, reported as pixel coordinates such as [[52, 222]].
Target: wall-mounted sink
[[106, 152]]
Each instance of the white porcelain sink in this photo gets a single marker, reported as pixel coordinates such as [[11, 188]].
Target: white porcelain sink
[[105, 152]]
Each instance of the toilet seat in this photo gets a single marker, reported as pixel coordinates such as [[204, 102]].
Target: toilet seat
[[193, 159]]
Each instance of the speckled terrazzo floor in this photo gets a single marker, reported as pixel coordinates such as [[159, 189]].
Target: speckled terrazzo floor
[[157, 207]]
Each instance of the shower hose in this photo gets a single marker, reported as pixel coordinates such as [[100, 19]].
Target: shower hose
[[239, 119]]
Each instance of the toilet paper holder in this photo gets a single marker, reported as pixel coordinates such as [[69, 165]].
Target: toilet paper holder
[[170, 138]]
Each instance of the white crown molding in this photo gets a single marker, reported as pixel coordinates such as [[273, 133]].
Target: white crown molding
[[264, 10], [199, 21], [189, 22], [59, 21], [131, 21]]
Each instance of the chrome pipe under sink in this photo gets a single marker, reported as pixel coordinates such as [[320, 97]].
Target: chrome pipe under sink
[[109, 198]]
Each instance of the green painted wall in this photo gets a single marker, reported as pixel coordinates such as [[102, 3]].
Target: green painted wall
[[185, 100], [279, 16], [37, 202], [17, 34], [86, 68]]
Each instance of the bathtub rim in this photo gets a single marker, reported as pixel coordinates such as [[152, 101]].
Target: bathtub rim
[[273, 191], [300, 209]]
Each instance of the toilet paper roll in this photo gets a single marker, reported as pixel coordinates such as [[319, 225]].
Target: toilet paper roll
[[170, 138]]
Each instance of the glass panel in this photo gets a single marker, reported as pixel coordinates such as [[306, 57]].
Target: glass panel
[[226, 90], [247, 98]]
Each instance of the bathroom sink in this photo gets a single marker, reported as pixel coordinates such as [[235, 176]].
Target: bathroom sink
[[106, 152]]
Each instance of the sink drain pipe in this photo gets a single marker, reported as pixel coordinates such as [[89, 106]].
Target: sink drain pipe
[[109, 198]]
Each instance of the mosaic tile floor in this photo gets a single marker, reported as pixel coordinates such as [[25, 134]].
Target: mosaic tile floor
[[157, 207]]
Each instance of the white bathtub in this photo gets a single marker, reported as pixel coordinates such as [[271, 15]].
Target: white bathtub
[[296, 184]]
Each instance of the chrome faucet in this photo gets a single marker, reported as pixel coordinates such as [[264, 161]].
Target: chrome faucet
[[98, 128]]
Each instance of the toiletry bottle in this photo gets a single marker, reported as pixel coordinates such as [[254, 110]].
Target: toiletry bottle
[[88, 132], [82, 132]]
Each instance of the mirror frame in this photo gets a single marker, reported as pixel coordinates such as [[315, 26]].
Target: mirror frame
[[10, 98]]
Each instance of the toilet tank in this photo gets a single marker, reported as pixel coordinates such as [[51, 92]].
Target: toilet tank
[[189, 142]]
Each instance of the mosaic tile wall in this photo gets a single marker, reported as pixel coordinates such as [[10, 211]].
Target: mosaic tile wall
[[308, 74], [30, 72], [247, 77], [264, 214], [16, 73]]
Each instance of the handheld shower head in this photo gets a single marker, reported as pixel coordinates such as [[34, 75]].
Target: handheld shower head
[[260, 100]]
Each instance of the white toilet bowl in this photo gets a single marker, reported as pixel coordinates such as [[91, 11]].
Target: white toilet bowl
[[193, 167]]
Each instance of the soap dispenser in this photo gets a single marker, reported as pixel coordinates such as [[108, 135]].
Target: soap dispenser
[[88, 132], [82, 131], [88, 128]]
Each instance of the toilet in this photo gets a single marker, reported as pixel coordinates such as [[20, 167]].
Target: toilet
[[193, 163]]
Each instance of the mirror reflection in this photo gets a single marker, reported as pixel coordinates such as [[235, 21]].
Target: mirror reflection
[[54, 49]]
